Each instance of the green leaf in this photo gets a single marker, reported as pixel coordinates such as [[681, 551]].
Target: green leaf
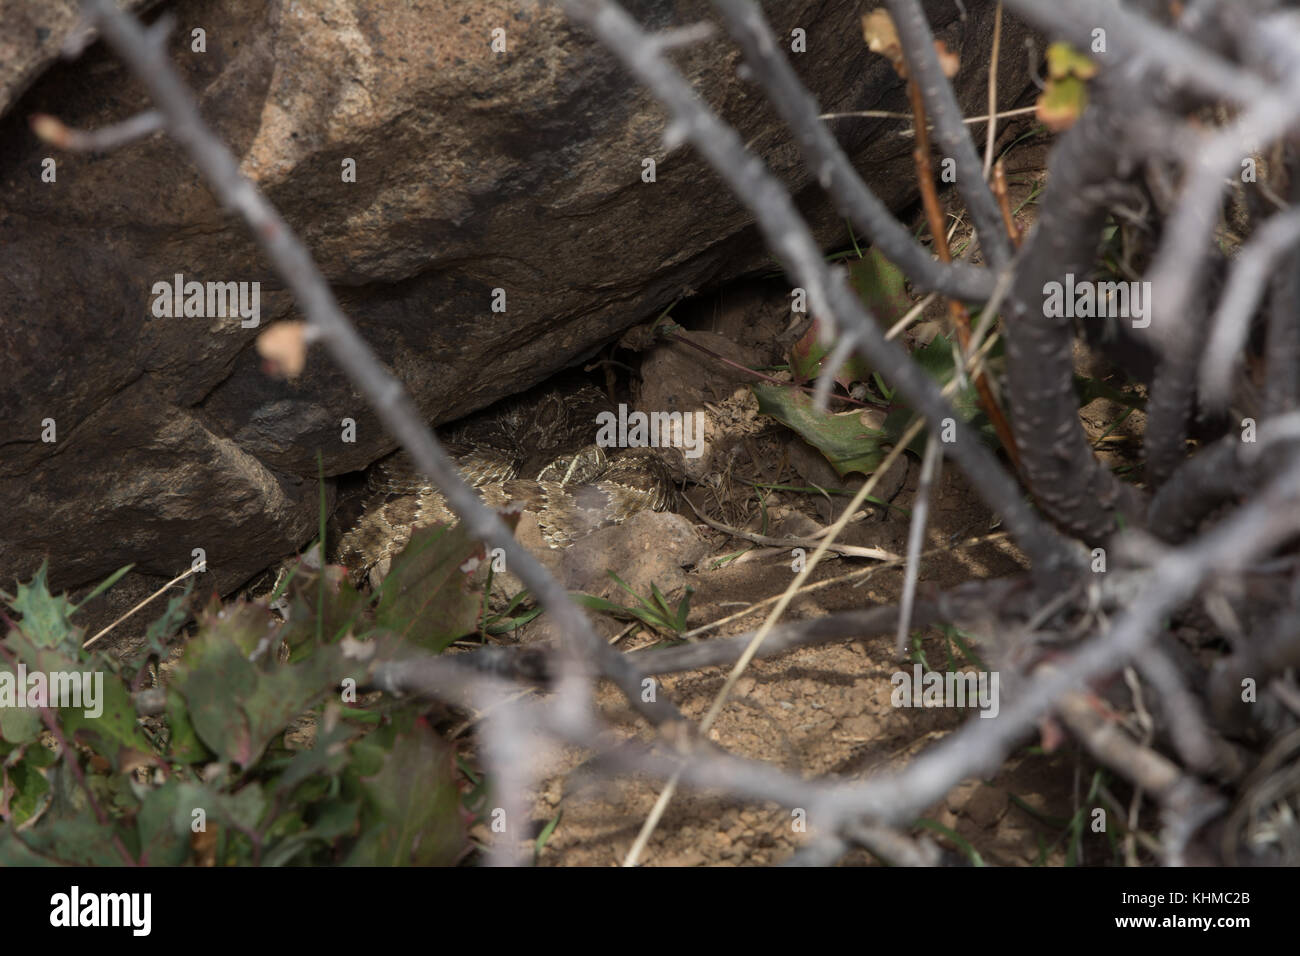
[[184, 745], [808, 354], [336, 818], [315, 596], [111, 727], [63, 841], [848, 444], [426, 597], [240, 810], [114, 731], [18, 725], [960, 842], [104, 585], [1062, 102], [1065, 95], [881, 286], [25, 785], [236, 706], [883, 290], [938, 359], [326, 757], [162, 630], [46, 617], [1064, 60], [545, 835], [412, 815], [164, 838]]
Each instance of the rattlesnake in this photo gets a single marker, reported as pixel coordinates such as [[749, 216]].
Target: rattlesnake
[[572, 485]]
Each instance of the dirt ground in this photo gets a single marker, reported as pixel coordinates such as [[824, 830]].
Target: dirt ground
[[822, 711]]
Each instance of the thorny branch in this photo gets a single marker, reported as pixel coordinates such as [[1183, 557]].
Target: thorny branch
[[1216, 537]]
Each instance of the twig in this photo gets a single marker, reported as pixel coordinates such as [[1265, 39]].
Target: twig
[[145, 54], [751, 649], [940, 103], [161, 591], [828, 291], [822, 154], [1057, 462], [848, 550], [992, 134], [51, 130], [1176, 273], [916, 540], [1151, 52], [893, 114], [1004, 203], [957, 312], [1240, 540], [1246, 285]]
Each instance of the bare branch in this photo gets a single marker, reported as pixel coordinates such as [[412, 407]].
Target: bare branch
[[836, 174], [1132, 41], [949, 130], [829, 293], [52, 131], [291, 259], [1246, 285], [1057, 459]]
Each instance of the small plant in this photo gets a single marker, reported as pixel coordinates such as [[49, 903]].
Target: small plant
[[265, 746], [655, 613]]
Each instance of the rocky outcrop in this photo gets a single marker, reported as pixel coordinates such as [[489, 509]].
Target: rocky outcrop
[[481, 177]]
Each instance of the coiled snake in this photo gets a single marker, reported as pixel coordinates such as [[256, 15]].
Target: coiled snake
[[536, 452]]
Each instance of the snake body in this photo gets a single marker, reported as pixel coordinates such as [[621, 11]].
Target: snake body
[[535, 452]]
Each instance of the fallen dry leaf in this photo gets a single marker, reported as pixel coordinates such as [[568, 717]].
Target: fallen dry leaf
[[284, 348], [949, 62], [881, 37]]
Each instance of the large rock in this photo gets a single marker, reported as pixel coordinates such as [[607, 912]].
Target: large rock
[[475, 171]]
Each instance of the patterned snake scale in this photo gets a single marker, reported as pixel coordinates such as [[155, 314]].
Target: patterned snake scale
[[570, 484]]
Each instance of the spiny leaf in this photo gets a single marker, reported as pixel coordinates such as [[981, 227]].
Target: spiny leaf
[[311, 594], [18, 725], [46, 617], [184, 744], [937, 358], [99, 710], [74, 839], [165, 627], [847, 442], [162, 841], [808, 354], [240, 810]]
